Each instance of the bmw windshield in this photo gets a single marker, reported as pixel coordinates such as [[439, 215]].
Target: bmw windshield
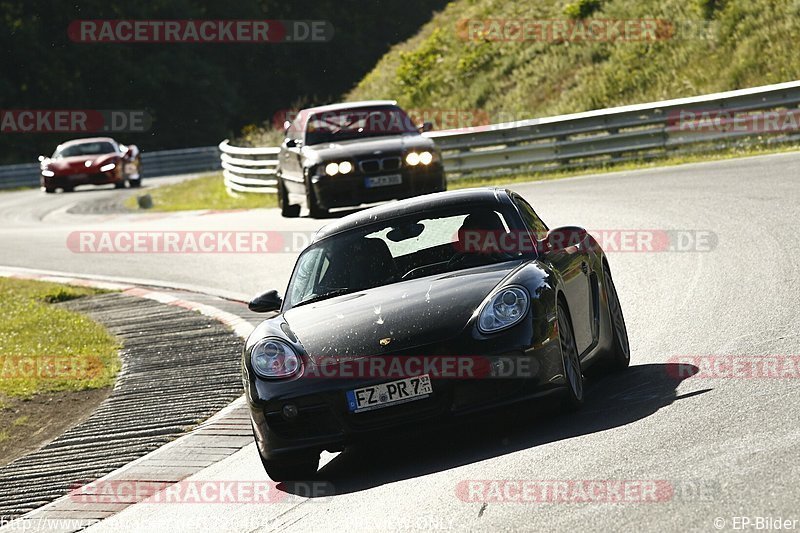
[[349, 124]]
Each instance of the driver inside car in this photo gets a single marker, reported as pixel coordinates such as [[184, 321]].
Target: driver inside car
[[480, 240]]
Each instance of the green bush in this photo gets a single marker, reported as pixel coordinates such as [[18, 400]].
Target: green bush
[[584, 8]]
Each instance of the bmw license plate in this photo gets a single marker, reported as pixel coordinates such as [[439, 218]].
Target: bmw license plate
[[387, 394], [383, 181]]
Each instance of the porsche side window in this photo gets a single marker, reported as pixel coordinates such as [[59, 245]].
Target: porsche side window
[[310, 269], [530, 217]]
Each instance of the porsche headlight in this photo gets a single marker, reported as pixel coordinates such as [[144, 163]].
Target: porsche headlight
[[507, 307], [274, 358]]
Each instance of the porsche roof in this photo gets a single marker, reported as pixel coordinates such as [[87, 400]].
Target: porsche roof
[[425, 203]]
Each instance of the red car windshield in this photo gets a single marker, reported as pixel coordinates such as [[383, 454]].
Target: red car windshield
[[92, 148], [346, 124]]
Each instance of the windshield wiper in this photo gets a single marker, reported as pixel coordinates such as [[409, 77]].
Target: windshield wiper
[[324, 296]]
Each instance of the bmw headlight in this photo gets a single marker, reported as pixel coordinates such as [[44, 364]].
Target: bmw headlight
[[419, 158], [344, 167], [507, 307], [274, 358]]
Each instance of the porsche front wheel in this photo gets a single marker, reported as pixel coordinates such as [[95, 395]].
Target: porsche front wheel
[[570, 360], [297, 469], [621, 350]]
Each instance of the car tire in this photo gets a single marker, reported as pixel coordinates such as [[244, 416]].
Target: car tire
[[301, 468], [135, 184], [49, 190], [119, 184], [68, 189], [620, 356], [573, 375], [314, 210], [287, 210]]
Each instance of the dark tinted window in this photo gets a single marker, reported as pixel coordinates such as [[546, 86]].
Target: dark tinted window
[[530, 217]]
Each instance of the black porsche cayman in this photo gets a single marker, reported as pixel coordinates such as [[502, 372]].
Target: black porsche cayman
[[430, 307]]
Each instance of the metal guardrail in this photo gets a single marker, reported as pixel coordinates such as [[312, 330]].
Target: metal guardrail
[[603, 136], [154, 164], [249, 169]]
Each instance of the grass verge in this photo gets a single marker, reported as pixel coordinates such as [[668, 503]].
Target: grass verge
[[201, 193], [45, 348]]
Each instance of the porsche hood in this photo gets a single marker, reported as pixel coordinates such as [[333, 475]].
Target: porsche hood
[[410, 314]]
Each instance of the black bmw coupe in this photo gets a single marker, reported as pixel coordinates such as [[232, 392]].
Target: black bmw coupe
[[422, 309], [344, 155]]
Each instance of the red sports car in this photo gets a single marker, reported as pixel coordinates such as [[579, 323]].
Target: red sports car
[[95, 161]]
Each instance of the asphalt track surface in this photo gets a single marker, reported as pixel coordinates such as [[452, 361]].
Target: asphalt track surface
[[724, 443]]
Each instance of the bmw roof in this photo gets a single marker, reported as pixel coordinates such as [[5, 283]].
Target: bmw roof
[[349, 105]]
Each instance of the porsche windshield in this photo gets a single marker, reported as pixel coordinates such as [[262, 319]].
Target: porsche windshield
[[92, 148], [347, 124], [404, 249]]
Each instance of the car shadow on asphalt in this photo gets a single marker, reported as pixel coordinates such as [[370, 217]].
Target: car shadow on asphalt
[[611, 401]]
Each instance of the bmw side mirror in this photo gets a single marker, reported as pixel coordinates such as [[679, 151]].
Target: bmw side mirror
[[425, 126], [292, 143], [264, 303]]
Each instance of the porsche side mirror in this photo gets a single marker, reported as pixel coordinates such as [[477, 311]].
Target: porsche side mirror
[[561, 239], [264, 303], [425, 126]]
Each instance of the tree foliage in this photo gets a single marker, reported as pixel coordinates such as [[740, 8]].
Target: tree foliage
[[197, 94]]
